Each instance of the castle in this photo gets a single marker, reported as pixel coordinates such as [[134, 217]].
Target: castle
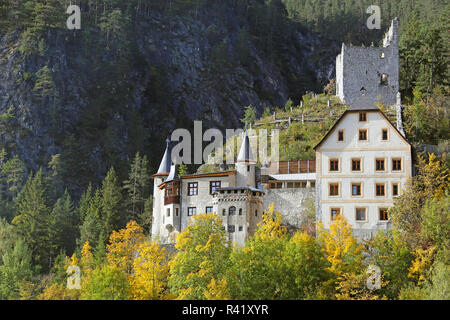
[[362, 164], [369, 71]]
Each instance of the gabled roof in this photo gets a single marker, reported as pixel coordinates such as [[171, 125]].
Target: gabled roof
[[245, 153], [356, 108]]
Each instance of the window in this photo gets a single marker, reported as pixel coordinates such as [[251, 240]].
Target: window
[[361, 214], [290, 185], [303, 184], [379, 165], [356, 164], [335, 212], [276, 185], [240, 228], [168, 212], [232, 211], [231, 229], [395, 189], [248, 168], [363, 134], [334, 189], [356, 189], [177, 212], [224, 212], [363, 116], [313, 184], [192, 211], [193, 189], [396, 164], [209, 209], [341, 135], [334, 165], [240, 211], [384, 79], [297, 184], [213, 185], [380, 190], [383, 212], [384, 134], [256, 213]]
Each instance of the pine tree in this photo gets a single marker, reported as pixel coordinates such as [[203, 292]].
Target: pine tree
[[65, 221], [137, 186], [16, 266], [14, 172], [111, 203], [45, 85], [33, 221]]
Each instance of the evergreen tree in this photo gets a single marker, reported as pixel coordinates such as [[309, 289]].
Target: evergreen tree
[[65, 221], [16, 267], [33, 220], [111, 203], [137, 187], [14, 173]]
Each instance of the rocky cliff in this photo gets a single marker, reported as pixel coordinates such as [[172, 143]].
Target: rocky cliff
[[114, 94]]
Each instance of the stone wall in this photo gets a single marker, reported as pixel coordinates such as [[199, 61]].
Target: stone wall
[[359, 71], [290, 202]]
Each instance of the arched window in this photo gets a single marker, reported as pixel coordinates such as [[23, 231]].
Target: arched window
[[256, 213], [240, 211], [224, 212], [232, 211]]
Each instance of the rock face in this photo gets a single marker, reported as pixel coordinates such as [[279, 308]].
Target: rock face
[[108, 104]]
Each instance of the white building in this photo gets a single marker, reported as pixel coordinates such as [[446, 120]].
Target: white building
[[230, 194], [362, 164]]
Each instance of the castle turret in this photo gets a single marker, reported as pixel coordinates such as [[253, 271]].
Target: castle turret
[[158, 195], [245, 165]]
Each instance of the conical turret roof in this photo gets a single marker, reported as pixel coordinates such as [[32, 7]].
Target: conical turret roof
[[245, 153], [166, 161]]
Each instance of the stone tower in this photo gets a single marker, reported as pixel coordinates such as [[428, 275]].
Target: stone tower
[[369, 71], [158, 195], [245, 165]]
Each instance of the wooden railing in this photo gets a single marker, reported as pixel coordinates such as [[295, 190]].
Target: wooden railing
[[290, 167]]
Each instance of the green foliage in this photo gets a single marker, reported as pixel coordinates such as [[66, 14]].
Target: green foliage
[[389, 252], [111, 203], [249, 116], [44, 85], [13, 173], [33, 219], [202, 256], [137, 187], [107, 283], [16, 267]]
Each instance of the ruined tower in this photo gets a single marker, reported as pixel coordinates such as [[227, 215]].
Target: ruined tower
[[369, 71]]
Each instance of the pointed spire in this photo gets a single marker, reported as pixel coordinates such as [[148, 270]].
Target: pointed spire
[[166, 161], [245, 153], [173, 175]]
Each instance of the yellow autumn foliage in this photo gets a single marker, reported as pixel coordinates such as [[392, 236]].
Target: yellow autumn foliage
[[150, 273], [123, 245], [422, 263], [342, 250]]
